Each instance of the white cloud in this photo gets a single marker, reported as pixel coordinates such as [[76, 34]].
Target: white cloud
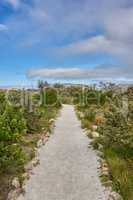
[[98, 44], [57, 73], [119, 24], [101, 45], [53, 23], [91, 45], [98, 73], [3, 27]]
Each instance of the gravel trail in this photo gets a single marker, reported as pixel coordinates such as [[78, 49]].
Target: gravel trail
[[68, 168]]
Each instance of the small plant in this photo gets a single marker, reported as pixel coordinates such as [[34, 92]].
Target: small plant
[[99, 119], [90, 115]]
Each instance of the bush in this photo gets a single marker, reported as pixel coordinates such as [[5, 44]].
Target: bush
[[12, 127], [116, 131], [90, 115], [14, 98], [51, 97], [12, 124], [116, 135], [16, 123], [32, 122], [12, 158], [121, 172], [2, 102]]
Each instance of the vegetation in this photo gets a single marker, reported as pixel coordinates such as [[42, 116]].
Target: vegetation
[[115, 128], [24, 118]]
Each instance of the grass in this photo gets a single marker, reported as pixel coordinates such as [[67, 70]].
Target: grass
[[85, 123], [122, 173], [120, 162]]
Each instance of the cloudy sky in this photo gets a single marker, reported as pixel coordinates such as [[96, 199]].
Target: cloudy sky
[[59, 39]]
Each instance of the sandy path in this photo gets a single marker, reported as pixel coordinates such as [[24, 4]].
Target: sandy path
[[68, 168]]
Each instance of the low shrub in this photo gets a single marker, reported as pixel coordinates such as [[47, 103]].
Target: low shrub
[[116, 136], [121, 173]]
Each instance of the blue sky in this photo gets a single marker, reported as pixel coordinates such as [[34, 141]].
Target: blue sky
[[73, 39]]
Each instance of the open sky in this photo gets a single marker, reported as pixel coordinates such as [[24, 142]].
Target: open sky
[[65, 39]]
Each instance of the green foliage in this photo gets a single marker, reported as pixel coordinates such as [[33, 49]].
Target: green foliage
[[51, 96], [32, 122], [92, 97], [103, 98], [14, 97], [12, 158], [12, 124], [121, 171], [12, 127], [86, 123], [36, 99], [90, 115], [116, 134], [2, 102], [17, 125], [22, 122], [116, 131]]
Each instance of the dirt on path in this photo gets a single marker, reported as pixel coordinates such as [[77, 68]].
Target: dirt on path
[[68, 168]]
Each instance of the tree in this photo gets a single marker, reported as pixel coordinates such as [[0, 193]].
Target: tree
[[42, 84]]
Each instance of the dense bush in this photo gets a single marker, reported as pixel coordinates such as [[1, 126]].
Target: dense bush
[[2, 102], [51, 97], [12, 158], [12, 124], [116, 131], [12, 127], [115, 126], [23, 118]]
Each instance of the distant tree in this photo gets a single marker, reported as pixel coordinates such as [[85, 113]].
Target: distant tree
[[42, 84], [58, 85], [107, 85], [46, 84]]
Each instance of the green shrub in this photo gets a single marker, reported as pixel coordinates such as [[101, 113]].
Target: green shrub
[[90, 115], [14, 97], [116, 135], [116, 131], [16, 121], [51, 97], [12, 124], [121, 174], [32, 122], [12, 158], [12, 127], [2, 102]]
